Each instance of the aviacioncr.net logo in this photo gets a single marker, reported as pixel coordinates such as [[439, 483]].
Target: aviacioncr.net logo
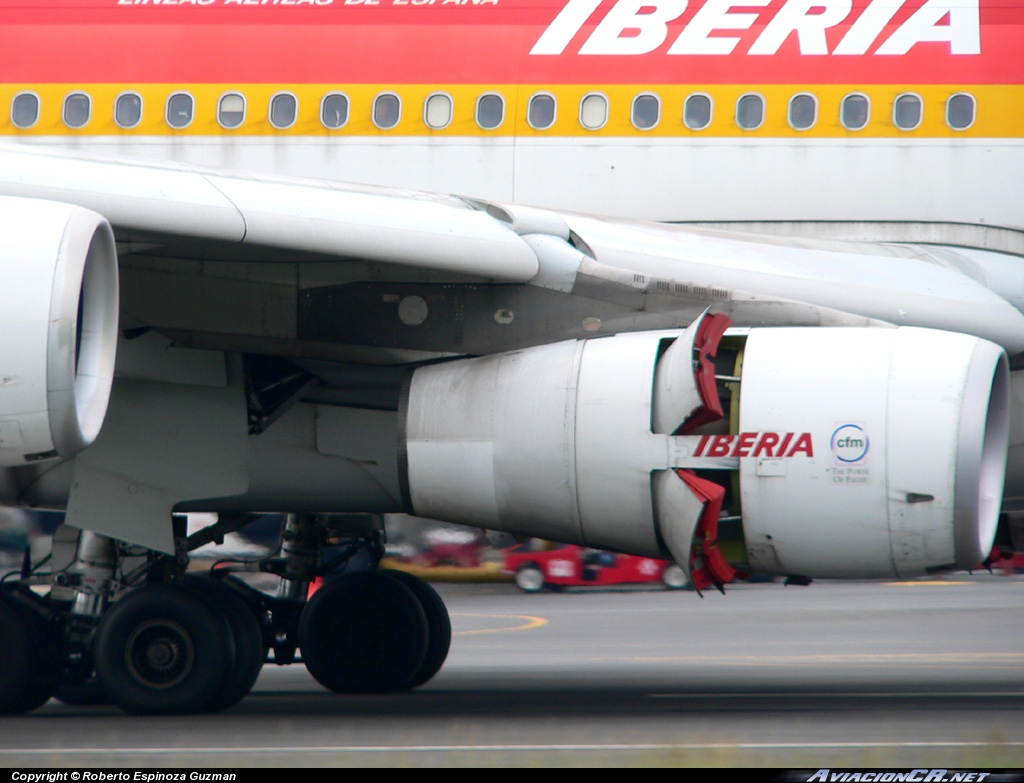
[[849, 443]]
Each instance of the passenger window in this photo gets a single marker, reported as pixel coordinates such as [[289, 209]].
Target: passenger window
[[541, 113], [387, 110], [593, 111], [231, 110], [803, 111], [25, 110], [284, 110], [697, 111], [750, 111], [128, 110], [334, 110], [490, 111], [855, 111], [960, 110], [906, 112], [180, 108], [646, 111], [438, 110], [77, 109]]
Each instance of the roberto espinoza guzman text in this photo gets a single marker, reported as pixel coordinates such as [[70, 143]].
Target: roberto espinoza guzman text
[[118, 777]]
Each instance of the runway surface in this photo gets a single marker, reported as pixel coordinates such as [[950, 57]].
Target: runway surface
[[913, 674]]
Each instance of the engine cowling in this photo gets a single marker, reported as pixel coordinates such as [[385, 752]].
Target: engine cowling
[[59, 310], [857, 452], [913, 430]]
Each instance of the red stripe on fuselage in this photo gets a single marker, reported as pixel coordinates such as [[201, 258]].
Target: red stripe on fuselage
[[92, 42]]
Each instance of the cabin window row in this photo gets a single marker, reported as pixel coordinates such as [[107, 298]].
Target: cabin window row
[[854, 111], [283, 110], [542, 111]]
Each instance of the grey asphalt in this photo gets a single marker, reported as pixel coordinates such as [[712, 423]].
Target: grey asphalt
[[835, 674]]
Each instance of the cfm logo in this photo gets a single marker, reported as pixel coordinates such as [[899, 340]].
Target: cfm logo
[[641, 26], [849, 444]]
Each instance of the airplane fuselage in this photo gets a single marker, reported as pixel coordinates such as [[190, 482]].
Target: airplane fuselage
[[890, 121]]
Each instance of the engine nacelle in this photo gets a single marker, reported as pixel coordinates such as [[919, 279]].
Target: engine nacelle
[[594, 442], [911, 429], [58, 310]]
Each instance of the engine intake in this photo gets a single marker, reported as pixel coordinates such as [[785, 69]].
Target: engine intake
[[59, 309]]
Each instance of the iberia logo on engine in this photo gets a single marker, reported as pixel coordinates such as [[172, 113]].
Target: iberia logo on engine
[[756, 444]]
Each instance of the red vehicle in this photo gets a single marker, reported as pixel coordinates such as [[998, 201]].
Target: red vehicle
[[568, 565], [1005, 561]]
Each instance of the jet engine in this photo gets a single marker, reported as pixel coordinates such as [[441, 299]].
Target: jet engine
[[58, 308], [842, 452]]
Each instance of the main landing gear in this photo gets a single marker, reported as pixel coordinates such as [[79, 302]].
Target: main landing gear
[[374, 631], [134, 627]]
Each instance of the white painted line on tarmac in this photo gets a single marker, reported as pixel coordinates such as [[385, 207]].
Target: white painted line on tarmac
[[842, 695], [887, 659], [92, 751]]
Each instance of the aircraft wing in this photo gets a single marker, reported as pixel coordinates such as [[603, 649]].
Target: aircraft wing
[[191, 213], [201, 212]]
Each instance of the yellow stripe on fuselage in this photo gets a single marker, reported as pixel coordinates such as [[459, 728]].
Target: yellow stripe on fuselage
[[997, 114]]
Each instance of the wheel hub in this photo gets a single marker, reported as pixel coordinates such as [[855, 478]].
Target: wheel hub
[[159, 654]]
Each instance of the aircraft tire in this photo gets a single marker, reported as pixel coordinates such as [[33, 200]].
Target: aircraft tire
[[34, 680], [439, 627], [39, 691], [15, 659], [246, 635], [88, 693], [163, 649], [363, 632]]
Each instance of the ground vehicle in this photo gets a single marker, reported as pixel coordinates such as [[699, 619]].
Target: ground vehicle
[[1005, 562], [570, 565]]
